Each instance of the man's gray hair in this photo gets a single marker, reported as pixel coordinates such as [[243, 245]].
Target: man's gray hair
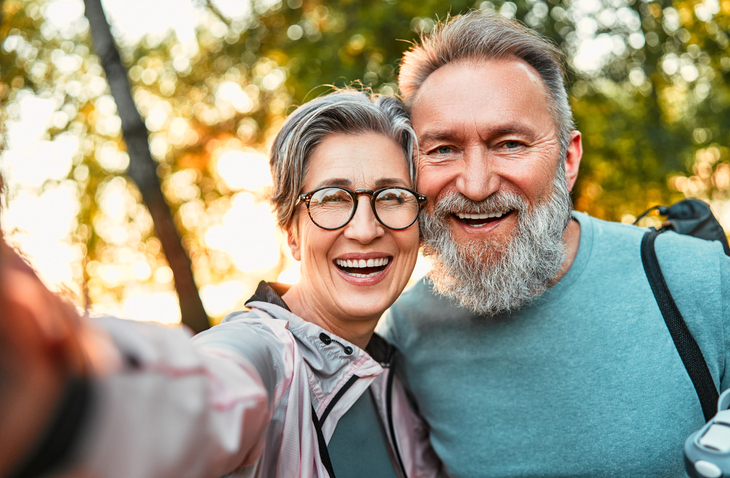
[[488, 36], [341, 112]]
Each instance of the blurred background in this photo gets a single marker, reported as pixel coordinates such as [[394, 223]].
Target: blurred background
[[109, 193]]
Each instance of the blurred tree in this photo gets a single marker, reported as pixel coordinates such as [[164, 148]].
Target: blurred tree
[[143, 170]]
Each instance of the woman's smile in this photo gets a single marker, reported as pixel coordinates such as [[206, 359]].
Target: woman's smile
[[363, 266]]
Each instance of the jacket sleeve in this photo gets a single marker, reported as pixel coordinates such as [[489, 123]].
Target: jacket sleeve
[[173, 407]]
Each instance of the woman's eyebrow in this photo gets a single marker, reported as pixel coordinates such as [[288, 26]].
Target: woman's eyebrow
[[379, 183], [334, 182], [383, 182]]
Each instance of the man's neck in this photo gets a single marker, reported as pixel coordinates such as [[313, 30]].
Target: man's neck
[[571, 239]]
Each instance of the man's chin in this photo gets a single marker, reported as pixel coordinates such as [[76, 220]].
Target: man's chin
[[477, 248], [495, 273], [490, 280]]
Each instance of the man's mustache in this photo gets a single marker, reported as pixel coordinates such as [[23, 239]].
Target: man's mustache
[[455, 202]]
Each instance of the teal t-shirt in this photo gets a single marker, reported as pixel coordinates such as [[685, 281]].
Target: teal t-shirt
[[584, 382], [358, 447]]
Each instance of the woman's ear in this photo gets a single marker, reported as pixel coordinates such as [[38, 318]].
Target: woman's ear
[[292, 238]]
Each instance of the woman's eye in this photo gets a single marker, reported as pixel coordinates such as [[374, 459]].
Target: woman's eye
[[390, 197]]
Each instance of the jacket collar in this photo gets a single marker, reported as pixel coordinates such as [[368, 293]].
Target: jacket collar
[[271, 292]]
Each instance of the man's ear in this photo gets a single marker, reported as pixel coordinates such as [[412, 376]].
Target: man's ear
[[572, 158], [292, 238]]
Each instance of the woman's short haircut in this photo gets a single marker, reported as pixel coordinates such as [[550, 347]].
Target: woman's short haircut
[[479, 36], [341, 112]]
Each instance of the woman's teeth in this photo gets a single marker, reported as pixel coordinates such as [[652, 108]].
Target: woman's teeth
[[362, 267], [383, 261]]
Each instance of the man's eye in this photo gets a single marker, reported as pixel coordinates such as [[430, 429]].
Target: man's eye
[[444, 149], [512, 144]]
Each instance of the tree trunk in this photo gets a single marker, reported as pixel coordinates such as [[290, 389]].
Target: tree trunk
[[143, 169]]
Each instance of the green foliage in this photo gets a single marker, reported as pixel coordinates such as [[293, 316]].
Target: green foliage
[[653, 111]]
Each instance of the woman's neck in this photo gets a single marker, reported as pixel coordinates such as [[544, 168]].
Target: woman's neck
[[354, 330]]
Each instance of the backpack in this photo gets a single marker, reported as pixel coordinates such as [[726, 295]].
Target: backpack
[[692, 217]]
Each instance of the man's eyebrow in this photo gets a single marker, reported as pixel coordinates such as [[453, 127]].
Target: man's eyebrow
[[513, 128], [431, 136], [487, 131]]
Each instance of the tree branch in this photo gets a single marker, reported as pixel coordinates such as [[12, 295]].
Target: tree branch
[[143, 169], [216, 11]]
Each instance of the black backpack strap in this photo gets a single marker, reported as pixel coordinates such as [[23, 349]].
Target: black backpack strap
[[686, 345]]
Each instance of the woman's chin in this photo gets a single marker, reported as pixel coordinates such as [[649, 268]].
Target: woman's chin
[[364, 305]]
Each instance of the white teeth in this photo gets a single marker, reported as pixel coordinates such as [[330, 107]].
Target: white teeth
[[355, 274], [488, 215], [383, 261]]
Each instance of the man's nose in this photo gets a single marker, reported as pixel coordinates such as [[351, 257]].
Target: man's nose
[[477, 179], [364, 226]]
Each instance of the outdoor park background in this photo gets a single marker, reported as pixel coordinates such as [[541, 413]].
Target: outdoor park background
[[213, 80]]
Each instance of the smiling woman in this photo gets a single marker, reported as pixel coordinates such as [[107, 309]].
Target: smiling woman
[[342, 237], [298, 385]]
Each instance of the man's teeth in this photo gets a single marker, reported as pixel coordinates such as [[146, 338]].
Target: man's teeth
[[383, 261], [486, 215]]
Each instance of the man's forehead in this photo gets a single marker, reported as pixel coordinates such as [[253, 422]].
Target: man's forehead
[[494, 94], [440, 75]]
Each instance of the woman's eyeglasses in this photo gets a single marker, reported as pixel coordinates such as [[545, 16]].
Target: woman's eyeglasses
[[333, 207]]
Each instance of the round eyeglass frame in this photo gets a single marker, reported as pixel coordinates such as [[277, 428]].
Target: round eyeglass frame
[[307, 197]]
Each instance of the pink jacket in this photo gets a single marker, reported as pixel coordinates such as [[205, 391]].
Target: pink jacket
[[239, 399]]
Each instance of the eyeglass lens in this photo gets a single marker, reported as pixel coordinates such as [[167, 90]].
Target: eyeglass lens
[[332, 208]]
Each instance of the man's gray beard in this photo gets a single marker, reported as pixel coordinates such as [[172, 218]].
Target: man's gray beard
[[487, 276]]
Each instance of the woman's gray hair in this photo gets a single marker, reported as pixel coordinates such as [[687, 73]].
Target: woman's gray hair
[[341, 112], [488, 36]]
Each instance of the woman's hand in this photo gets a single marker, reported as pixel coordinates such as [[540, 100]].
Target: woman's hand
[[41, 347]]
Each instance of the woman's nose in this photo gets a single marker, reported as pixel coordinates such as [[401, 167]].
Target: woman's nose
[[364, 226]]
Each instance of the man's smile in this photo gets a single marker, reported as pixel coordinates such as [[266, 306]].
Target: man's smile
[[481, 219]]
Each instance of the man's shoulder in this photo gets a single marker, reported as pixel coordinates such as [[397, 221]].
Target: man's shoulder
[[691, 266], [604, 229], [692, 259], [616, 235]]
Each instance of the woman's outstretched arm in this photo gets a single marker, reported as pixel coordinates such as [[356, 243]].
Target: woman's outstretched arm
[[117, 398]]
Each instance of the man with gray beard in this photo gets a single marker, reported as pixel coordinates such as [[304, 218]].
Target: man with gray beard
[[481, 277], [535, 346]]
